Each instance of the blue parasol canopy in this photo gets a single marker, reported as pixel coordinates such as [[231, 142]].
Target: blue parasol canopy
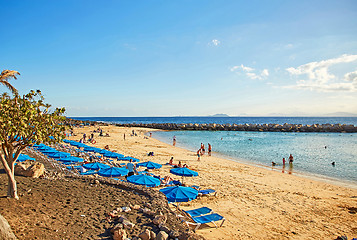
[[90, 149], [185, 172], [112, 155], [95, 166], [102, 151], [77, 144], [113, 172], [179, 193], [149, 165], [48, 152], [71, 159], [44, 148], [24, 157], [146, 180], [59, 155]]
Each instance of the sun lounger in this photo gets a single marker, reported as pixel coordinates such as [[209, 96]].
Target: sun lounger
[[206, 192], [204, 219], [198, 212]]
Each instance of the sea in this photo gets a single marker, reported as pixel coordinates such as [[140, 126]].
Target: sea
[[313, 153]]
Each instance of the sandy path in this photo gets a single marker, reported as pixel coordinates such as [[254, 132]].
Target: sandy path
[[256, 202]]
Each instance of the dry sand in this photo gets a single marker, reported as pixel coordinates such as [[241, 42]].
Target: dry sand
[[256, 202]]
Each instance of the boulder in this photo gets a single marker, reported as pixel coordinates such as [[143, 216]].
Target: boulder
[[128, 224], [5, 230], [145, 235], [116, 227], [152, 235], [30, 168], [120, 234], [159, 219], [162, 236], [136, 207], [164, 228]]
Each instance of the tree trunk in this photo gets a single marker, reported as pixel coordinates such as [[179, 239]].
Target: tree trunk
[[9, 166], [12, 187]]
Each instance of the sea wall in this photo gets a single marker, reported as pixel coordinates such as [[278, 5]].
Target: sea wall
[[343, 128]]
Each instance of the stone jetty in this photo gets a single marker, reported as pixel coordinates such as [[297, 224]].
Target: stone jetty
[[342, 128]]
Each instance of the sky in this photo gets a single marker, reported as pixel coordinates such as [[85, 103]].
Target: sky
[[184, 57]]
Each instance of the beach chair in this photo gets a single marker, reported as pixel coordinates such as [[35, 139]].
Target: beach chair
[[205, 219], [198, 211], [205, 192]]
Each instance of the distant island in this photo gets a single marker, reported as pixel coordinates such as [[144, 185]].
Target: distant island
[[219, 115]]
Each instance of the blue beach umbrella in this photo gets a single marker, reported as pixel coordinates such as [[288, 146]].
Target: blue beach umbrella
[[39, 145], [112, 155], [44, 148], [89, 149], [95, 166], [71, 159], [149, 165], [113, 172], [77, 144], [185, 172], [23, 157], [145, 180], [48, 152], [102, 151], [59, 155], [179, 193]]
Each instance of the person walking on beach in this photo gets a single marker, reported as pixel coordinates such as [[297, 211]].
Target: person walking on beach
[[124, 136], [209, 149], [199, 154], [131, 167], [174, 141]]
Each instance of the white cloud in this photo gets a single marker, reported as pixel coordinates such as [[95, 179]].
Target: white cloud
[[250, 72], [265, 73], [216, 42], [320, 79], [352, 76]]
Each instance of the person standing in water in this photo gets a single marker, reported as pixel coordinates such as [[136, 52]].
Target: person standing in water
[[203, 149], [291, 159], [209, 149], [174, 141]]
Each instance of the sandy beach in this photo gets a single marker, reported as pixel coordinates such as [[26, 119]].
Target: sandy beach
[[256, 202]]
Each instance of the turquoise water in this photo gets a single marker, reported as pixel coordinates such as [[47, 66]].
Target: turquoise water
[[313, 152]]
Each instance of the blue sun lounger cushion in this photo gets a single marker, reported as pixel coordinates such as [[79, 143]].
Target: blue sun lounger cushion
[[198, 212], [210, 218], [206, 191]]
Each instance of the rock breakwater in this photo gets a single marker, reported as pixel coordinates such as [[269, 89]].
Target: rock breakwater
[[342, 128]]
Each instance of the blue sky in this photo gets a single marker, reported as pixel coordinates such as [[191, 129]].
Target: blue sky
[[188, 58]]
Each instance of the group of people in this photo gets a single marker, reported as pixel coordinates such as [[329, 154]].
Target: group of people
[[202, 151], [291, 160], [179, 165]]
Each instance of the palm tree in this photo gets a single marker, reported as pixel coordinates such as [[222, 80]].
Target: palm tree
[[5, 76]]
